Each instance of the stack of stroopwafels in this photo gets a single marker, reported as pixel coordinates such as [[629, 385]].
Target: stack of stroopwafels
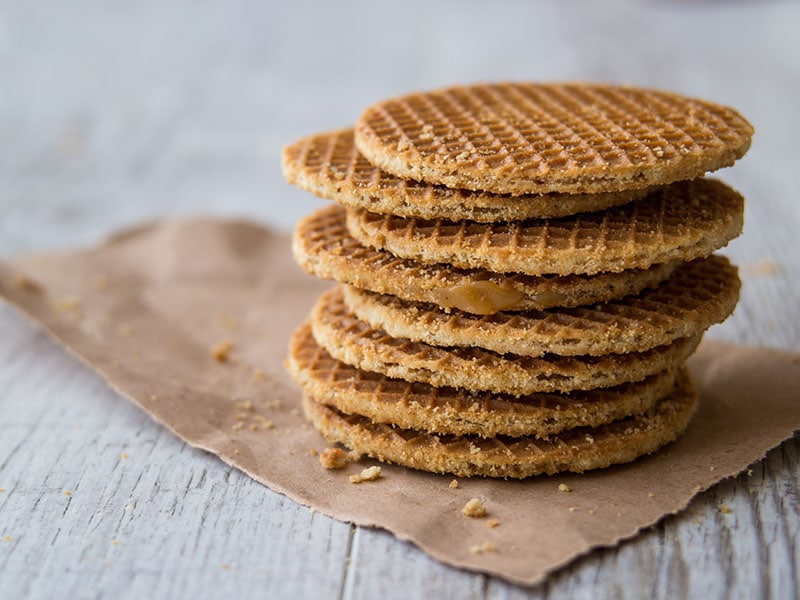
[[525, 270]]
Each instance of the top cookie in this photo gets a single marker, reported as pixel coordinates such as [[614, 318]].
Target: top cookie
[[328, 165], [526, 138]]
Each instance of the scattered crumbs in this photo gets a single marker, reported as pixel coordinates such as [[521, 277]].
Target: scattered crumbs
[[237, 426], [246, 405], [651, 495], [224, 566], [264, 422], [115, 542], [273, 404], [333, 458], [749, 474], [368, 474], [67, 493], [221, 351], [454, 484], [124, 455], [154, 398], [259, 373], [563, 487], [125, 328], [313, 452], [24, 282], [481, 548], [725, 509], [492, 523], [474, 508]]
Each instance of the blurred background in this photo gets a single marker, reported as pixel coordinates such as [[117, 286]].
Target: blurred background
[[113, 113]]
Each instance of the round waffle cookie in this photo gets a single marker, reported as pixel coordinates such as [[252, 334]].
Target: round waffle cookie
[[686, 220], [575, 450], [527, 138], [353, 341], [698, 294], [329, 166], [323, 247], [457, 412]]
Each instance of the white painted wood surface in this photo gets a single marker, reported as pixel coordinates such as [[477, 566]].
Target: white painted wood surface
[[114, 113]]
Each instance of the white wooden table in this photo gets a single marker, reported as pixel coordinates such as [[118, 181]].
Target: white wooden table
[[114, 115]]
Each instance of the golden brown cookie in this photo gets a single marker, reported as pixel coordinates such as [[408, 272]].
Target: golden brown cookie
[[527, 138], [698, 295], [447, 410], [686, 220], [329, 166], [355, 342], [323, 247], [575, 450]]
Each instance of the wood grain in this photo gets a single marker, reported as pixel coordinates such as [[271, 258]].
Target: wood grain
[[111, 115]]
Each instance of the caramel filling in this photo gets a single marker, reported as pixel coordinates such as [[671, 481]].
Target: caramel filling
[[478, 297]]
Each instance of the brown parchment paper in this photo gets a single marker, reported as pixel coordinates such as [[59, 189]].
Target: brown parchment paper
[[147, 308]]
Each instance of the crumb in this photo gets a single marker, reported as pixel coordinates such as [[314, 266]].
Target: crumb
[[761, 268], [589, 438], [698, 487], [237, 426], [333, 458], [313, 452], [124, 455], [259, 374], [295, 412], [492, 523], [481, 548], [7, 538], [711, 468], [253, 427], [402, 145], [474, 508], [2, 490], [725, 509], [572, 509], [115, 542], [454, 483], [240, 416], [563, 487], [224, 566], [651, 495], [221, 351], [246, 405], [236, 452], [264, 422], [67, 493], [591, 511], [368, 474], [274, 404], [354, 456], [473, 449], [749, 473], [153, 398], [24, 282]]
